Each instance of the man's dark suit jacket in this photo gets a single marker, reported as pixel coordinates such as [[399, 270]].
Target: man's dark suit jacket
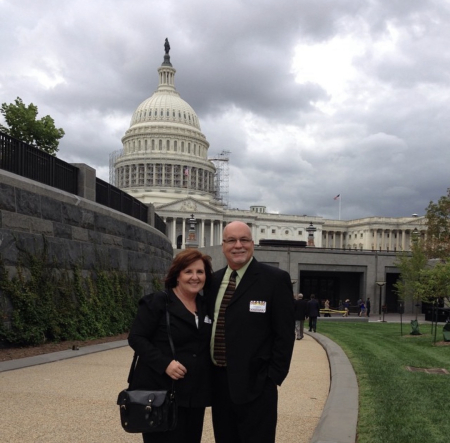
[[313, 308], [149, 339], [258, 344], [301, 309]]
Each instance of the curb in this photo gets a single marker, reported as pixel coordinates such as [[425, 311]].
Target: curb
[[20, 363], [339, 418]]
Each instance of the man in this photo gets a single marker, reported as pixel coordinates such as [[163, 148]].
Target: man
[[313, 309], [300, 315], [368, 307], [252, 341]]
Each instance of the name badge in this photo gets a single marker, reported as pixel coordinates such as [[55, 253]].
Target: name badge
[[207, 320], [258, 306]]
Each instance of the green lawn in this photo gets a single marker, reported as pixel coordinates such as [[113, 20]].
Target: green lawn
[[395, 405]]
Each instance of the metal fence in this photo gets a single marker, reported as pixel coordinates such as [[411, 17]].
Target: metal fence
[[23, 159], [160, 225], [26, 160], [109, 195]]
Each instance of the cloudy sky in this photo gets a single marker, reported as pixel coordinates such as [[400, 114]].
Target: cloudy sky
[[313, 98]]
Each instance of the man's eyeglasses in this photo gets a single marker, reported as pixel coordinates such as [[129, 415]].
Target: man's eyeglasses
[[232, 241]]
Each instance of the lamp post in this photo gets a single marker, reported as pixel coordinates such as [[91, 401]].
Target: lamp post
[[415, 235], [380, 284], [310, 230], [192, 241]]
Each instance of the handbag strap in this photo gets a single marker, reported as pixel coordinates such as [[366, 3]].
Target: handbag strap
[[172, 347], [169, 332]]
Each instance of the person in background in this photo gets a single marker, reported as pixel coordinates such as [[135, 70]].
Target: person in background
[[326, 305], [346, 308], [313, 310], [191, 327], [359, 303], [362, 309], [368, 307], [300, 316], [252, 341]]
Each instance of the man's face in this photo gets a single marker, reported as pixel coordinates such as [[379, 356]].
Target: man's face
[[237, 245]]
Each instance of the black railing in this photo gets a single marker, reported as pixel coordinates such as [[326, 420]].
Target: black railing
[[23, 159], [159, 224], [26, 160], [109, 195]]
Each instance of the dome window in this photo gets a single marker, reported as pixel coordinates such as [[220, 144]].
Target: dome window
[[185, 116], [162, 113], [168, 113], [173, 115], [179, 114]]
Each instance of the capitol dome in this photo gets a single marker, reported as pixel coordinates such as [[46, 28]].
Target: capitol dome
[[165, 106], [165, 154]]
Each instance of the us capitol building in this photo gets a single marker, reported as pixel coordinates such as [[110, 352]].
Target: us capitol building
[[165, 162]]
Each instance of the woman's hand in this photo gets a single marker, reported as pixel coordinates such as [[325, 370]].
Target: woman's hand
[[176, 370]]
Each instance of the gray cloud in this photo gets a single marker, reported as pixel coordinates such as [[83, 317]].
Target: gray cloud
[[378, 136]]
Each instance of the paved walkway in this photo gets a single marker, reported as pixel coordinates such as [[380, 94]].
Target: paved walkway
[[72, 400], [56, 398]]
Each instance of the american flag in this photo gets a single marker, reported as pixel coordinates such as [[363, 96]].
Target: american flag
[[337, 197]]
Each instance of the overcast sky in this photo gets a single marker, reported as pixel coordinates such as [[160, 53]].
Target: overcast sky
[[313, 98]]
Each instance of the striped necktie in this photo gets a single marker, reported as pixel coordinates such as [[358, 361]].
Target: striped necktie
[[219, 338]]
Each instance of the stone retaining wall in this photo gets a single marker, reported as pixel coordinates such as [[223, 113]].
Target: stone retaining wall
[[76, 231]]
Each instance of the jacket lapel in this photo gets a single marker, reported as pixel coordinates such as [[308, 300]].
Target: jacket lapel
[[177, 309]]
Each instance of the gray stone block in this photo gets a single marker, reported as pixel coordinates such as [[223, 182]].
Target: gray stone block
[[28, 203], [40, 226], [87, 219], [112, 240], [71, 215], [7, 197], [129, 244], [62, 231], [8, 249], [65, 253], [109, 225], [95, 237], [51, 209], [16, 222], [80, 234]]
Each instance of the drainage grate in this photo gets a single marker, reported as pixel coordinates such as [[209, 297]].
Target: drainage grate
[[427, 370]]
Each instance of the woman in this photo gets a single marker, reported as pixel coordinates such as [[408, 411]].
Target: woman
[[190, 326]]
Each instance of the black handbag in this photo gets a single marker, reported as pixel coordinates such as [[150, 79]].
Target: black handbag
[[143, 411]]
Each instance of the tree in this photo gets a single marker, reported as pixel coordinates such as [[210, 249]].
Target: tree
[[22, 124], [434, 282], [437, 243], [422, 279], [411, 266]]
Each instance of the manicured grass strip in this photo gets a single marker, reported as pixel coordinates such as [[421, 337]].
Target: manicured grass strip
[[395, 405]]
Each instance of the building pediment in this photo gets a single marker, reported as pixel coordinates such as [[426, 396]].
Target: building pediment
[[189, 206]]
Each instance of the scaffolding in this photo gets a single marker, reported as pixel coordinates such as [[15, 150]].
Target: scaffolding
[[222, 176], [113, 157]]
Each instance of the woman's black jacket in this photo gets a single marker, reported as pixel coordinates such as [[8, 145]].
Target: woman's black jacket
[[148, 337]]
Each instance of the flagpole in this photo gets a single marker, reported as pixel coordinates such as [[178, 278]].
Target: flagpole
[[340, 199]]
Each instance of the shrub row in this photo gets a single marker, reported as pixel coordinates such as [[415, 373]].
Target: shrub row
[[43, 303]]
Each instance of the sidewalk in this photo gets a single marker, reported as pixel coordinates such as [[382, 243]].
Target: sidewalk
[[56, 398]]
